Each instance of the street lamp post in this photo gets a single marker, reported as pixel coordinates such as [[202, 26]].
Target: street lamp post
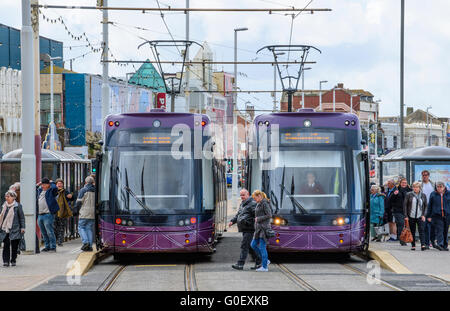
[[320, 93], [234, 183], [351, 102], [303, 86], [49, 59], [428, 126]]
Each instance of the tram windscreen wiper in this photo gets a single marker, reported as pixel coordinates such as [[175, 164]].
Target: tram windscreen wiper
[[294, 200], [127, 189]]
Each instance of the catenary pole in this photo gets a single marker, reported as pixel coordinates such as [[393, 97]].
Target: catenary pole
[[37, 104], [187, 58], [402, 67], [105, 73], [28, 159]]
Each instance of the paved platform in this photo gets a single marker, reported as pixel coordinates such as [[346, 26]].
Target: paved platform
[[430, 262], [33, 270]]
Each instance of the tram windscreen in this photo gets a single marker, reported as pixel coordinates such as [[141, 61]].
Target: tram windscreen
[[155, 182], [309, 182]]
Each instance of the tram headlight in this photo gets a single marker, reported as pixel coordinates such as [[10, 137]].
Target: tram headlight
[[278, 221], [347, 122], [267, 123], [130, 223], [187, 222], [339, 221], [307, 123], [181, 222], [353, 122], [260, 123]]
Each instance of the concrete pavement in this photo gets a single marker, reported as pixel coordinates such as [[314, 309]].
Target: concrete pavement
[[431, 262], [32, 270]]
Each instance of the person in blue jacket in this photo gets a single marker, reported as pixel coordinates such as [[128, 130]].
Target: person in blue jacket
[[376, 210], [46, 208], [438, 212]]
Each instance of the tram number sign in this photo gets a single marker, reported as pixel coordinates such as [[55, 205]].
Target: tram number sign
[[150, 138], [307, 138]]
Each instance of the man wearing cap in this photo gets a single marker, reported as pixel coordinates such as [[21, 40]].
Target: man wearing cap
[[86, 203], [46, 208]]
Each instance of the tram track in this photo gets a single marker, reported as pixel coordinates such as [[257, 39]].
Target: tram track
[[365, 274], [296, 279], [111, 279], [190, 282]]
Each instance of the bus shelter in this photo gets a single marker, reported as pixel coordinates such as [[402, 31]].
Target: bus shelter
[[55, 164], [410, 163]]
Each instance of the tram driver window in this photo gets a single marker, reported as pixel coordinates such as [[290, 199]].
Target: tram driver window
[[309, 181]]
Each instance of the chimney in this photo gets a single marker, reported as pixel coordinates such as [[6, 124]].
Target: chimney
[[340, 85], [409, 110]]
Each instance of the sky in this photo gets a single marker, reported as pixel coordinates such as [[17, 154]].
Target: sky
[[359, 42]]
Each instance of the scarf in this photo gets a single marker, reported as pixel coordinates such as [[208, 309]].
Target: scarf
[[7, 222], [64, 210]]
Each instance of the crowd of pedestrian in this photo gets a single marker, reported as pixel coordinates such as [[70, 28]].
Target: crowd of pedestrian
[[424, 207], [54, 205]]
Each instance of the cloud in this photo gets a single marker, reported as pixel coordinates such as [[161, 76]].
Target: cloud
[[360, 42]]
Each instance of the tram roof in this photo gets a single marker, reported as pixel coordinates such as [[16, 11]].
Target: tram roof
[[432, 153], [47, 156]]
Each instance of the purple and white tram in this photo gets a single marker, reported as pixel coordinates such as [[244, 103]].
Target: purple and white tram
[[315, 173], [156, 193]]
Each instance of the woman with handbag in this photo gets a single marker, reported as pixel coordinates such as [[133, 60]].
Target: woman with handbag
[[415, 206], [263, 215], [376, 211], [12, 226]]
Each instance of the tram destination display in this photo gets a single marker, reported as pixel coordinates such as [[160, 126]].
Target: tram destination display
[[307, 138], [139, 138]]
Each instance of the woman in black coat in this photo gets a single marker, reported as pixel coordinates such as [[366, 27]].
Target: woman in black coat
[[12, 226], [263, 215], [415, 206]]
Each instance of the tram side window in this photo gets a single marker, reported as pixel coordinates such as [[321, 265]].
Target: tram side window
[[256, 175], [106, 176], [208, 184], [360, 181]]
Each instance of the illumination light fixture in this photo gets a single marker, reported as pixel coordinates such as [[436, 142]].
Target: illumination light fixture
[[156, 123], [307, 123]]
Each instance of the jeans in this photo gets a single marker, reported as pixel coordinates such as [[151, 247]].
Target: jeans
[[10, 249], [86, 230], [246, 248], [400, 222], [45, 223], [429, 233], [441, 230], [259, 245], [413, 223]]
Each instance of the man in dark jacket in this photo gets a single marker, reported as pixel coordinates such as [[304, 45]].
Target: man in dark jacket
[[393, 205], [46, 208], [245, 219], [438, 213]]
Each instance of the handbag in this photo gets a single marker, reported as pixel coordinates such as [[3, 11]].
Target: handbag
[[382, 230], [406, 235], [22, 245], [269, 233]]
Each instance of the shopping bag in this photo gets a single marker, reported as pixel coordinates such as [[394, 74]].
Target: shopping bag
[[406, 235]]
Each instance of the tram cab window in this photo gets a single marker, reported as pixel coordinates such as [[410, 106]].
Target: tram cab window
[[154, 182], [308, 182], [360, 181], [208, 184]]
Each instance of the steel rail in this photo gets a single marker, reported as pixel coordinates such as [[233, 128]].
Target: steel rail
[[190, 282], [296, 279], [111, 279], [365, 274]]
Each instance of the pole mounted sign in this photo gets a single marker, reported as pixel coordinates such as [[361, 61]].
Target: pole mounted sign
[[161, 100]]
